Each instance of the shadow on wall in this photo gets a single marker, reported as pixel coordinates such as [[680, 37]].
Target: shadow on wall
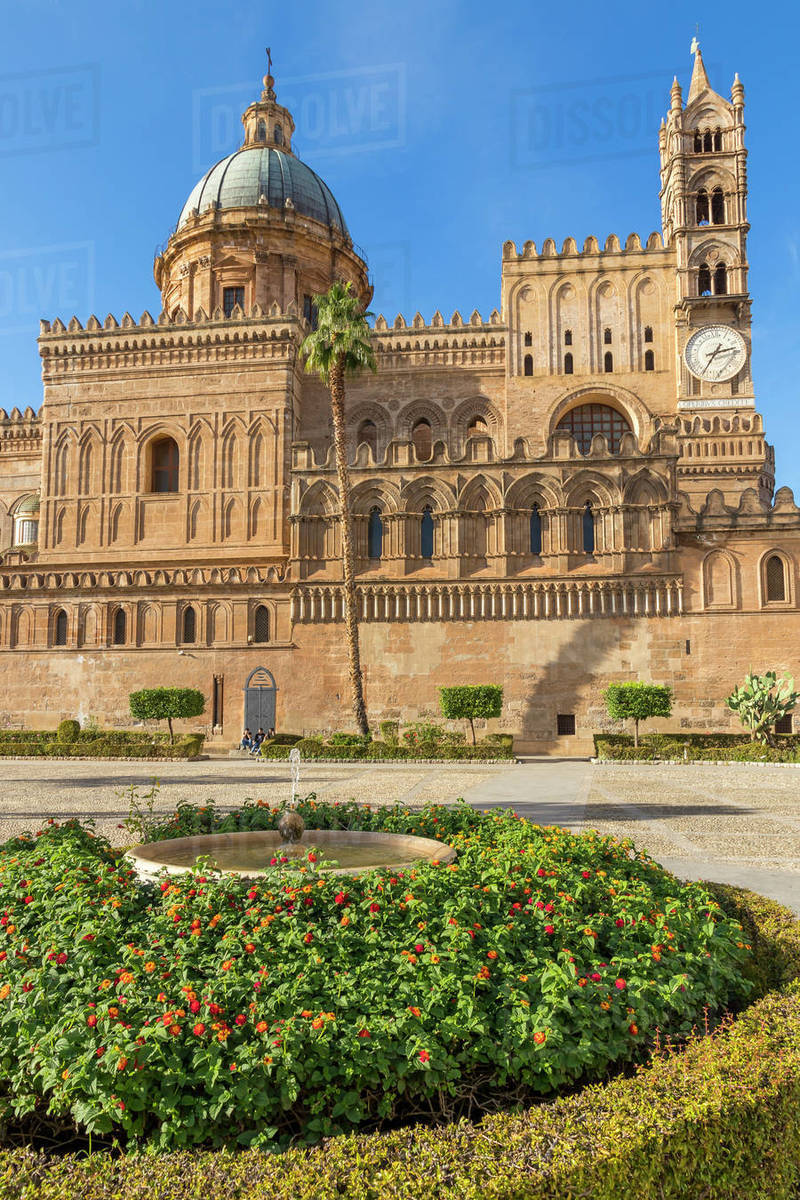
[[566, 689]]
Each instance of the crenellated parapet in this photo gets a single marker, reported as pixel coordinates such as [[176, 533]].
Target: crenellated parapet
[[591, 247], [20, 432], [263, 333], [440, 343], [122, 580]]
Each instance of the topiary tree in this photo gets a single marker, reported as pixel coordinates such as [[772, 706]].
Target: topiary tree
[[637, 702], [166, 704], [761, 701], [68, 731], [471, 703]]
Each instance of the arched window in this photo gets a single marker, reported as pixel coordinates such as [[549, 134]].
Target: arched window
[[368, 432], [698, 142], [567, 337], [426, 532], [165, 462], [189, 625], [422, 437], [120, 627], [720, 280], [277, 135], [477, 427], [567, 364], [586, 420], [649, 361], [261, 135], [608, 362], [375, 533], [648, 333], [776, 578], [261, 624], [588, 528], [704, 280], [606, 337], [60, 628], [528, 365], [707, 142], [701, 207], [717, 139], [231, 297], [536, 530], [528, 338], [717, 207]]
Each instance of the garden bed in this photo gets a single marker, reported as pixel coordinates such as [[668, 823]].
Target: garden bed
[[98, 744], [695, 747]]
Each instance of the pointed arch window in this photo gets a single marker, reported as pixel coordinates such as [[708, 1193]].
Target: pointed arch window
[[588, 528], [649, 361], [567, 337], [60, 628], [568, 364], [422, 437], [707, 146], [586, 420], [528, 338], [606, 336], [120, 627], [718, 207], [426, 532], [776, 578], [261, 624], [704, 280], [702, 207], [536, 530], [189, 626], [648, 333], [528, 365], [608, 362], [277, 135], [717, 139], [720, 280], [368, 433], [165, 464], [375, 534], [698, 142]]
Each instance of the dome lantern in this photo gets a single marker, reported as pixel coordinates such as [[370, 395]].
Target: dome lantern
[[267, 123]]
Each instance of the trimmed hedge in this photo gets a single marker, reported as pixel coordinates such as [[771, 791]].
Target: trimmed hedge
[[695, 748], [721, 1120], [313, 748], [111, 745]]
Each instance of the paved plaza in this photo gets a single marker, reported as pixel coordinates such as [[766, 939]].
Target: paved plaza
[[734, 823]]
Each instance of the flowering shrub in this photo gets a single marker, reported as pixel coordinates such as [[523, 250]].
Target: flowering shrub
[[214, 1010]]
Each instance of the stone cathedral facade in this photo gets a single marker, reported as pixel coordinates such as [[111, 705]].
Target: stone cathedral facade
[[574, 488]]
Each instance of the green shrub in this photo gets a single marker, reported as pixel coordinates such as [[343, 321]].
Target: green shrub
[[68, 731], [637, 702], [309, 746], [471, 703], [349, 739], [500, 739], [695, 748], [274, 750], [212, 1010], [390, 731], [166, 704], [285, 739]]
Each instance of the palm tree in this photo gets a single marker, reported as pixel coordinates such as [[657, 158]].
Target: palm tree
[[340, 346]]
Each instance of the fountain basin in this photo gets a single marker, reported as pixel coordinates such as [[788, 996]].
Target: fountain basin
[[248, 854]]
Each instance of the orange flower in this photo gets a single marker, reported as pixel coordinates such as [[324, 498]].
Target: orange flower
[[122, 1064], [539, 1037], [126, 977], [262, 1027], [317, 1023], [492, 954], [605, 1005], [633, 1029], [65, 1074], [105, 983], [226, 966], [306, 1013], [413, 1010], [149, 967], [434, 958], [4, 990], [524, 978]]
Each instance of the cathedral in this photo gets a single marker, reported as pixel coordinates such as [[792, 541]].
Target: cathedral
[[572, 489]]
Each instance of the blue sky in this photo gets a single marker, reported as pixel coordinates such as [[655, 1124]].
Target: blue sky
[[443, 129]]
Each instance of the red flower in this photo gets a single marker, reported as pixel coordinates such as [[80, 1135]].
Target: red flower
[[308, 939], [340, 898], [549, 929], [26, 987], [199, 1028], [363, 1033], [619, 983], [586, 874], [312, 858], [164, 885], [28, 900], [539, 1037], [595, 975], [633, 1029], [250, 948], [581, 983], [240, 1020], [91, 1021], [619, 922], [233, 1066], [194, 1006], [374, 908], [418, 947], [541, 872], [424, 1056]]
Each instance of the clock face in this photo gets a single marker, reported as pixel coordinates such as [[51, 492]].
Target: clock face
[[716, 353]]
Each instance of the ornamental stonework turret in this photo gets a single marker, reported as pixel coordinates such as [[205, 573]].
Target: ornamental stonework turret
[[260, 228]]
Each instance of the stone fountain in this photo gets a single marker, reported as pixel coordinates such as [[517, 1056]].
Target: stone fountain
[[350, 851]]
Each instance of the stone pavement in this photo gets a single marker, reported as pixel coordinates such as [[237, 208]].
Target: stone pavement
[[734, 823]]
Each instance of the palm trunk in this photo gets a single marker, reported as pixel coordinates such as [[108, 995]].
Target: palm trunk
[[336, 383]]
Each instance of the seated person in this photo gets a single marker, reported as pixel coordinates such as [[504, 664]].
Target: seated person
[[255, 744], [247, 740]]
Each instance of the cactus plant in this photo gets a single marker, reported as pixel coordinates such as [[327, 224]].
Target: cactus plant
[[761, 701]]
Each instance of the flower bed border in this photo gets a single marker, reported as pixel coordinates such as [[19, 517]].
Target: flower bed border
[[664, 1134]]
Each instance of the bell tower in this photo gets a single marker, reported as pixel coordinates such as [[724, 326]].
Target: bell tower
[[704, 218]]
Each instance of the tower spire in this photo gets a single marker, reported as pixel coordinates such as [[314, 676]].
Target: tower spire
[[699, 82]]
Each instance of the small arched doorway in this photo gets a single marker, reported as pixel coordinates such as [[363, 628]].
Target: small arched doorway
[[259, 700]]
